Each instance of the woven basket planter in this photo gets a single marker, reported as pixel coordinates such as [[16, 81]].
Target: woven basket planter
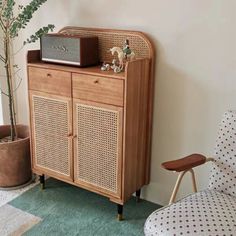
[[15, 164]]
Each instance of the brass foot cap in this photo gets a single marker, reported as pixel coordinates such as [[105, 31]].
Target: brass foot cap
[[42, 186], [119, 217]]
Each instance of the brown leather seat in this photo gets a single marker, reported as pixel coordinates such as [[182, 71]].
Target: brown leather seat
[[185, 163]]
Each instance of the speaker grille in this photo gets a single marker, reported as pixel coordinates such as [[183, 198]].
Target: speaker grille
[[60, 49], [50, 132], [97, 146]]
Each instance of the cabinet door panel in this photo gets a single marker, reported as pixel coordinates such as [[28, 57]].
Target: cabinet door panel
[[51, 120], [98, 146]]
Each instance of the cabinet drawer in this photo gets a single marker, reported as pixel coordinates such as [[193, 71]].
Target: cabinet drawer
[[98, 89], [50, 81]]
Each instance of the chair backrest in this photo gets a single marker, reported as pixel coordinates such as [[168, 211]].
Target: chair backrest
[[223, 173]]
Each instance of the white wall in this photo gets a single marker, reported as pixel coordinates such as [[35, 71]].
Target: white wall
[[195, 70]]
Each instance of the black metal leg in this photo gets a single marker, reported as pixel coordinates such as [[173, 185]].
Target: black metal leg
[[138, 193], [42, 181], [120, 212]]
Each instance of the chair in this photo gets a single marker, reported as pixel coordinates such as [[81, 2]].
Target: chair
[[211, 211]]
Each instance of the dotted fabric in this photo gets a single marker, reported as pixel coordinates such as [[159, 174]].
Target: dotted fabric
[[223, 174], [205, 213], [210, 212]]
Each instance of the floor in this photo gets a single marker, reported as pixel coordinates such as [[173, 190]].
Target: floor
[[7, 196], [64, 209]]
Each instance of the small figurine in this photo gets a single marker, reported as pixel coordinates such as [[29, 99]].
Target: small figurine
[[108, 66], [123, 55], [115, 67], [105, 66], [114, 64], [120, 55], [126, 49]]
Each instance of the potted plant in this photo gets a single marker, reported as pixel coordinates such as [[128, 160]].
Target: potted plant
[[15, 167]]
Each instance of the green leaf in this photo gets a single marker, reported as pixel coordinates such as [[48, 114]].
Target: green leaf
[[25, 16], [7, 13], [38, 34]]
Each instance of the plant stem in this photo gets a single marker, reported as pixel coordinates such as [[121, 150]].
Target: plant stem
[[8, 69]]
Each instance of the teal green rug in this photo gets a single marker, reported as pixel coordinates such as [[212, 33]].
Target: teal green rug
[[66, 210]]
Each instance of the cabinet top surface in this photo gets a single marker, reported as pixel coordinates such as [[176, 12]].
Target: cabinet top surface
[[94, 70]]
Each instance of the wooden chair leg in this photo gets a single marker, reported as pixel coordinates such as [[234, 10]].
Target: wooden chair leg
[[193, 180], [176, 188], [178, 182]]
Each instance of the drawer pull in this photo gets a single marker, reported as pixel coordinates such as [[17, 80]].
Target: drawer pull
[[71, 136]]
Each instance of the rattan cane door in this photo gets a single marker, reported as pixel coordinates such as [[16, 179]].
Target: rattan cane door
[[51, 122], [98, 146]]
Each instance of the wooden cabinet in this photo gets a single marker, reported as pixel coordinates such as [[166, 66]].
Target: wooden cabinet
[[92, 128]]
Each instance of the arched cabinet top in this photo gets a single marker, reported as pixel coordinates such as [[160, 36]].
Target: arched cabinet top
[[109, 38]]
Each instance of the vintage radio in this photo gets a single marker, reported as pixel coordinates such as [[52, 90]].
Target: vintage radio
[[69, 49]]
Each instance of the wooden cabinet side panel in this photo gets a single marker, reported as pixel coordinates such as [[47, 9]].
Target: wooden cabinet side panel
[[135, 127]]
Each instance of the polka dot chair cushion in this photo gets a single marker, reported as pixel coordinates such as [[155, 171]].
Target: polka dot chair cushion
[[204, 213], [223, 174], [210, 212]]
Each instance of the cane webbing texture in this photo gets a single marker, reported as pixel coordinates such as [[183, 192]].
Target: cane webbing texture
[[108, 39], [97, 156], [50, 132]]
